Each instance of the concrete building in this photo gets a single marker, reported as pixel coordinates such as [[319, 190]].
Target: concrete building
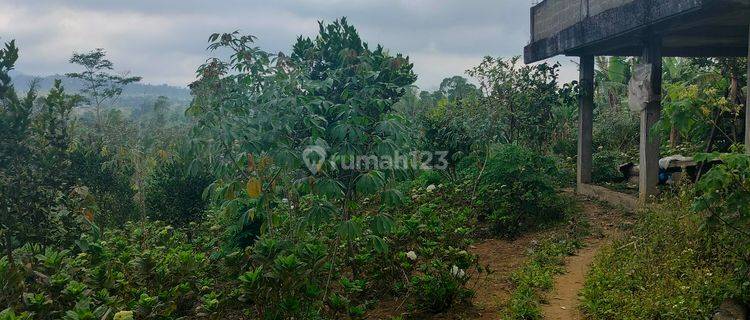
[[651, 29]]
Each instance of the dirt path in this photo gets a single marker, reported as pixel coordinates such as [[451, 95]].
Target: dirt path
[[504, 257], [564, 301]]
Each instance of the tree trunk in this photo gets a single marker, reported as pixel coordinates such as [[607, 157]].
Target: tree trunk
[[674, 137], [9, 248], [709, 145]]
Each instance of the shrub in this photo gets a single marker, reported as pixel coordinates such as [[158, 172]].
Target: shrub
[[174, 193], [286, 280], [605, 166], [108, 181], [150, 268], [616, 129], [440, 288], [517, 189]]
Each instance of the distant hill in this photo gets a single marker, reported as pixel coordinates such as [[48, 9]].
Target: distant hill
[[133, 95]]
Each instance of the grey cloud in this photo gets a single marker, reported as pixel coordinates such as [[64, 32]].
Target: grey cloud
[[165, 40]]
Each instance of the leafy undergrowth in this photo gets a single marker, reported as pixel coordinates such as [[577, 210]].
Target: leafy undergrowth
[[668, 269], [226, 266], [158, 272], [546, 260]]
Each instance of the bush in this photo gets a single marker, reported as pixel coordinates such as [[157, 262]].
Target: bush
[[286, 280], [517, 188], [154, 271], [605, 166], [440, 288], [174, 194], [616, 129], [108, 181]]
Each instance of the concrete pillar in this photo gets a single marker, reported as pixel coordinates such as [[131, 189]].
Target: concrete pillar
[[585, 119], [747, 94], [650, 140]]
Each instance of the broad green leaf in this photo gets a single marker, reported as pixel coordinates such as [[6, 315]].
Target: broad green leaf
[[253, 188], [349, 230]]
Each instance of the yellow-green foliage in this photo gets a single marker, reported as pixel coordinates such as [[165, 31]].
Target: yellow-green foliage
[[124, 315], [668, 269]]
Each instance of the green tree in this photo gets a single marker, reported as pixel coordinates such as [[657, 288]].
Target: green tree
[[15, 120], [34, 164], [101, 85], [257, 112], [174, 194], [458, 88], [518, 102]]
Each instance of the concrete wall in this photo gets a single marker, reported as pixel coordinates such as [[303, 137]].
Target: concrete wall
[[553, 16], [599, 6], [695, 28]]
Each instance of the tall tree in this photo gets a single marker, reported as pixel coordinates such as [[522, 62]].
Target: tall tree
[[101, 84], [33, 157], [458, 88], [257, 113], [15, 120]]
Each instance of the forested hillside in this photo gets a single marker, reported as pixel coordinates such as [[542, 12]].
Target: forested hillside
[[133, 95]]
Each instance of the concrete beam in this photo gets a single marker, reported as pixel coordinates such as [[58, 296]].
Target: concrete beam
[[585, 120], [617, 199], [618, 29], [650, 140]]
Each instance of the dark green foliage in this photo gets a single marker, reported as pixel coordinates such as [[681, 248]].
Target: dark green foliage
[[288, 280], [428, 177], [160, 276], [332, 93], [724, 191], [443, 129], [458, 88], [107, 180], [517, 188], [606, 166], [522, 105], [339, 56], [174, 193], [438, 289], [34, 173], [615, 129]]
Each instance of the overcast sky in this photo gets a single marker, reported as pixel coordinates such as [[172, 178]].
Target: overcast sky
[[164, 41]]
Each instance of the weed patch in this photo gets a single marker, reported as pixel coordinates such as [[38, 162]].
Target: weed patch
[[536, 277]]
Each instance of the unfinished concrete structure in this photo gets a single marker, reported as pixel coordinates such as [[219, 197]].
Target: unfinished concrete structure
[[651, 29]]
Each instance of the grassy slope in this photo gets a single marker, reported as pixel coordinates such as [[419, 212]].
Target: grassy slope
[[668, 268]]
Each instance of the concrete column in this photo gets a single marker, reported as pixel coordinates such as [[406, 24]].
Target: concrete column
[[585, 119], [747, 106], [650, 140]]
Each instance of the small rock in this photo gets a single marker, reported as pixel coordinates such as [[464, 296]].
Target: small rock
[[730, 310], [411, 255]]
